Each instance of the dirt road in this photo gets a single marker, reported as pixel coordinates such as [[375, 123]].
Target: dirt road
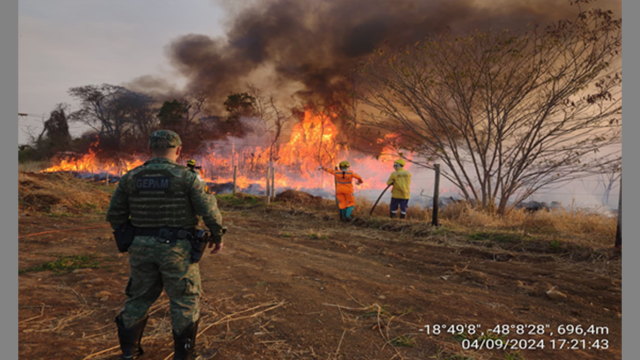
[[302, 286]]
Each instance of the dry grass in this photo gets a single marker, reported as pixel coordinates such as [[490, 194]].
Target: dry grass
[[578, 224], [575, 225], [33, 166], [59, 194]]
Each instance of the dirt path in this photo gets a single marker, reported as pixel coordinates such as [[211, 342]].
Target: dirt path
[[332, 291]]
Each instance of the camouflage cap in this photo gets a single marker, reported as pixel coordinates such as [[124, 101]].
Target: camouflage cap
[[164, 139]]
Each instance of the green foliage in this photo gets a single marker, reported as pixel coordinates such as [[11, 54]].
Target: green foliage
[[240, 104], [384, 311], [441, 231], [60, 215], [239, 200], [26, 154], [555, 245], [459, 357], [66, 263], [171, 113], [514, 356], [404, 340], [316, 236]]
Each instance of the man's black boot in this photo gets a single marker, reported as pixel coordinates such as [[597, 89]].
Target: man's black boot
[[402, 216], [130, 339], [184, 344], [392, 215]]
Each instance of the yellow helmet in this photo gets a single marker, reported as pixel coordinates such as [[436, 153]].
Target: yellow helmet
[[191, 162], [344, 164], [399, 161]]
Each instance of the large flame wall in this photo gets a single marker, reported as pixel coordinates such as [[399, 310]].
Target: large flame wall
[[313, 143]]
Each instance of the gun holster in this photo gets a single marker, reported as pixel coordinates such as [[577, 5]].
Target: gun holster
[[198, 245], [200, 240], [124, 235]]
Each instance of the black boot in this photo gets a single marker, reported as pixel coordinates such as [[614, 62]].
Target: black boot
[[130, 339], [392, 215], [184, 344], [402, 216]]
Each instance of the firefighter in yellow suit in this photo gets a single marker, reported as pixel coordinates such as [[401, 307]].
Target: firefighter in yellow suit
[[344, 188], [401, 180]]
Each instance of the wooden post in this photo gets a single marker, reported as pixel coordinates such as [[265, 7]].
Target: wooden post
[[233, 154], [235, 173], [268, 186], [273, 182], [619, 227], [436, 187]]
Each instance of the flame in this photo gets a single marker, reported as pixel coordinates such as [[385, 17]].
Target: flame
[[89, 163], [313, 142]]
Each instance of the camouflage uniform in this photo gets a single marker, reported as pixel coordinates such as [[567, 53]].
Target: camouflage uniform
[[161, 193]]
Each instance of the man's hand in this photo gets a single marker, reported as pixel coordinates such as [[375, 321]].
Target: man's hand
[[360, 182], [216, 249]]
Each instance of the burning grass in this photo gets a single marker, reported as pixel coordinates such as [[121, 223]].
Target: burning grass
[[59, 193]]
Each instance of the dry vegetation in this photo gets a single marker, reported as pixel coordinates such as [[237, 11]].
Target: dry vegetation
[[574, 225], [295, 283], [59, 193]]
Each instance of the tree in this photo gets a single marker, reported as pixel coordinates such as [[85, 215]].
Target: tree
[[271, 118], [53, 138], [181, 116], [238, 105], [610, 173], [114, 112], [506, 113], [171, 114]]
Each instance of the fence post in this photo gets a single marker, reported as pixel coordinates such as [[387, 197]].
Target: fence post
[[268, 186], [233, 154], [436, 187], [273, 182], [235, 173], [619, 227]]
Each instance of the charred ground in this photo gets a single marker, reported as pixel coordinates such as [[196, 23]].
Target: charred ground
[[294, 283]]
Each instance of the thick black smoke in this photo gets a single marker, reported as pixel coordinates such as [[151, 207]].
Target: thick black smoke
[[314, 44]]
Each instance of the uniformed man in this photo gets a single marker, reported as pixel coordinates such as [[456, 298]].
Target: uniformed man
[[401, 180], [163, 201], [191, 164], [344, 188]]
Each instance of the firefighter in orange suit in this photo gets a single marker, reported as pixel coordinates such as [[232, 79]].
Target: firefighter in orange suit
[[344, 188]]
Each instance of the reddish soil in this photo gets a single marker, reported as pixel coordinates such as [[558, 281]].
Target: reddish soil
[[332, 291]]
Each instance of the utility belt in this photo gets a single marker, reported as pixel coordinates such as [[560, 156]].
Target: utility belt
[[166, 234], [198, 239]]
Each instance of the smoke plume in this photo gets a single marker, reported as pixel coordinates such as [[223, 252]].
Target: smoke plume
[[306, 48]]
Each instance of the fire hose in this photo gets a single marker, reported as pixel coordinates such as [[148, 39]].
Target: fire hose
[[55, 231], [379, 197]]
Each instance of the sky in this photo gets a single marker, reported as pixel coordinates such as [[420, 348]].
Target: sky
[[68, 43]]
